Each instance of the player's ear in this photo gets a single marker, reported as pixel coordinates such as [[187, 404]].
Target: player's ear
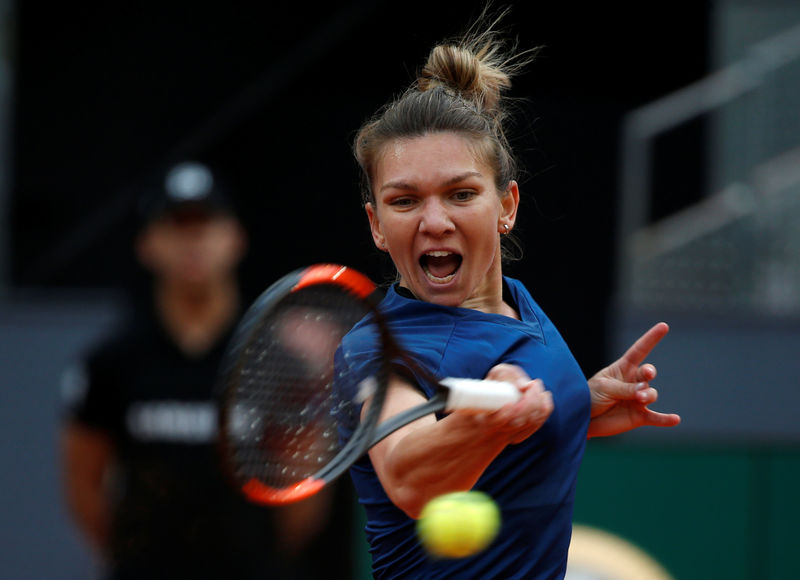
[[375, 227], [509, 204]]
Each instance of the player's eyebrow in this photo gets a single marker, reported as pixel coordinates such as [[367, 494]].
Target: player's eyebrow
[[404, 185]]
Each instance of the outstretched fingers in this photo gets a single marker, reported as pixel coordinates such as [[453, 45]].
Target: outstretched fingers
[[640, 349], [656, 419], [627, 416]]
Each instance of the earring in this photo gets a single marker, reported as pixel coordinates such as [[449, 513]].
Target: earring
[[506, 228]]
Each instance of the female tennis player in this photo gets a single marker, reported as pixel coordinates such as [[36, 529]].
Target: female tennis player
[[440, 196]]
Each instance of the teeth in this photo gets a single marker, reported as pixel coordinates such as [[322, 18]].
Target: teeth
[[436, 278], [429, 274]]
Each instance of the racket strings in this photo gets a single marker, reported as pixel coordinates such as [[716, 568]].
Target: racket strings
[[283, 412]]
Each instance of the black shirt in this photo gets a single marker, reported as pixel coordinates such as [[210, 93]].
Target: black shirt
[[175, 515]]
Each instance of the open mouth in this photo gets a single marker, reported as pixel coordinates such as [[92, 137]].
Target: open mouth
[[440, 266]]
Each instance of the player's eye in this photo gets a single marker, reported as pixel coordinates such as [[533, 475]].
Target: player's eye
[[464, 195], [401, 202]]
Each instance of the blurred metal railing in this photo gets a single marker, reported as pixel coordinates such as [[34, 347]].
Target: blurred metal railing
[[738, 248]]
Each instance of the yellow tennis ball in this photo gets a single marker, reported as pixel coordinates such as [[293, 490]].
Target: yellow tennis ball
[[459, 524]]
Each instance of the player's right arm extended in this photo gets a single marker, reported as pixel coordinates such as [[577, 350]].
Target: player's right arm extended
[[428, 457]]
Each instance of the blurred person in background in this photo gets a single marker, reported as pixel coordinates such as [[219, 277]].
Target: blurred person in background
[[140, 465]]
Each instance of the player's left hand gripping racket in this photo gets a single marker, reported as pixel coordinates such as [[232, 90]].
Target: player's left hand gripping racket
[[281, 406]]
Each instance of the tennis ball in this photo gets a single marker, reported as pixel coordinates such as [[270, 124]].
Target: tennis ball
[[459, 524]]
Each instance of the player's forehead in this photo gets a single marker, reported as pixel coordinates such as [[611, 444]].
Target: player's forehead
[[440, 158]]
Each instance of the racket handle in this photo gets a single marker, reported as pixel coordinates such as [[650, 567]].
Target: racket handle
[[484, 395]]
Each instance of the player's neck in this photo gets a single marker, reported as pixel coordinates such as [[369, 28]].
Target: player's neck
[[491, 296]]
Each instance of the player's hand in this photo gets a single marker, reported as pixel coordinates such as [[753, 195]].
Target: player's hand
[[621, 392], [519, 420]]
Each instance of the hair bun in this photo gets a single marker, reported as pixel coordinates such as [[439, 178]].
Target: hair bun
[[460, 89], [477, 75]]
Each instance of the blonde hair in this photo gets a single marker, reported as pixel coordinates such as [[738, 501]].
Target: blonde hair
[[459, 89]]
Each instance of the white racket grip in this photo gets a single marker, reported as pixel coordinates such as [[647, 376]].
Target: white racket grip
[[484, 395]]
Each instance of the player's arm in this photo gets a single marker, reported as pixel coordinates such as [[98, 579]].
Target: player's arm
[[428, 457], [87, 455]]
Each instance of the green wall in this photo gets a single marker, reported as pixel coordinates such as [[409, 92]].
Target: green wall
[[703, 512]]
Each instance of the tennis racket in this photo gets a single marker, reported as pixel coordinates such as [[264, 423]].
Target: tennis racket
[[290, 418]]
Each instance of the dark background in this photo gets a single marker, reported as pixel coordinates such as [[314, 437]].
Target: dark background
[[271, 95]]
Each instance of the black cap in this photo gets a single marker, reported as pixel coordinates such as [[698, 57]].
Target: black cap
[[186, 186]]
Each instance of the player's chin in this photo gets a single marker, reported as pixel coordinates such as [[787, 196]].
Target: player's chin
[[449, 299]]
